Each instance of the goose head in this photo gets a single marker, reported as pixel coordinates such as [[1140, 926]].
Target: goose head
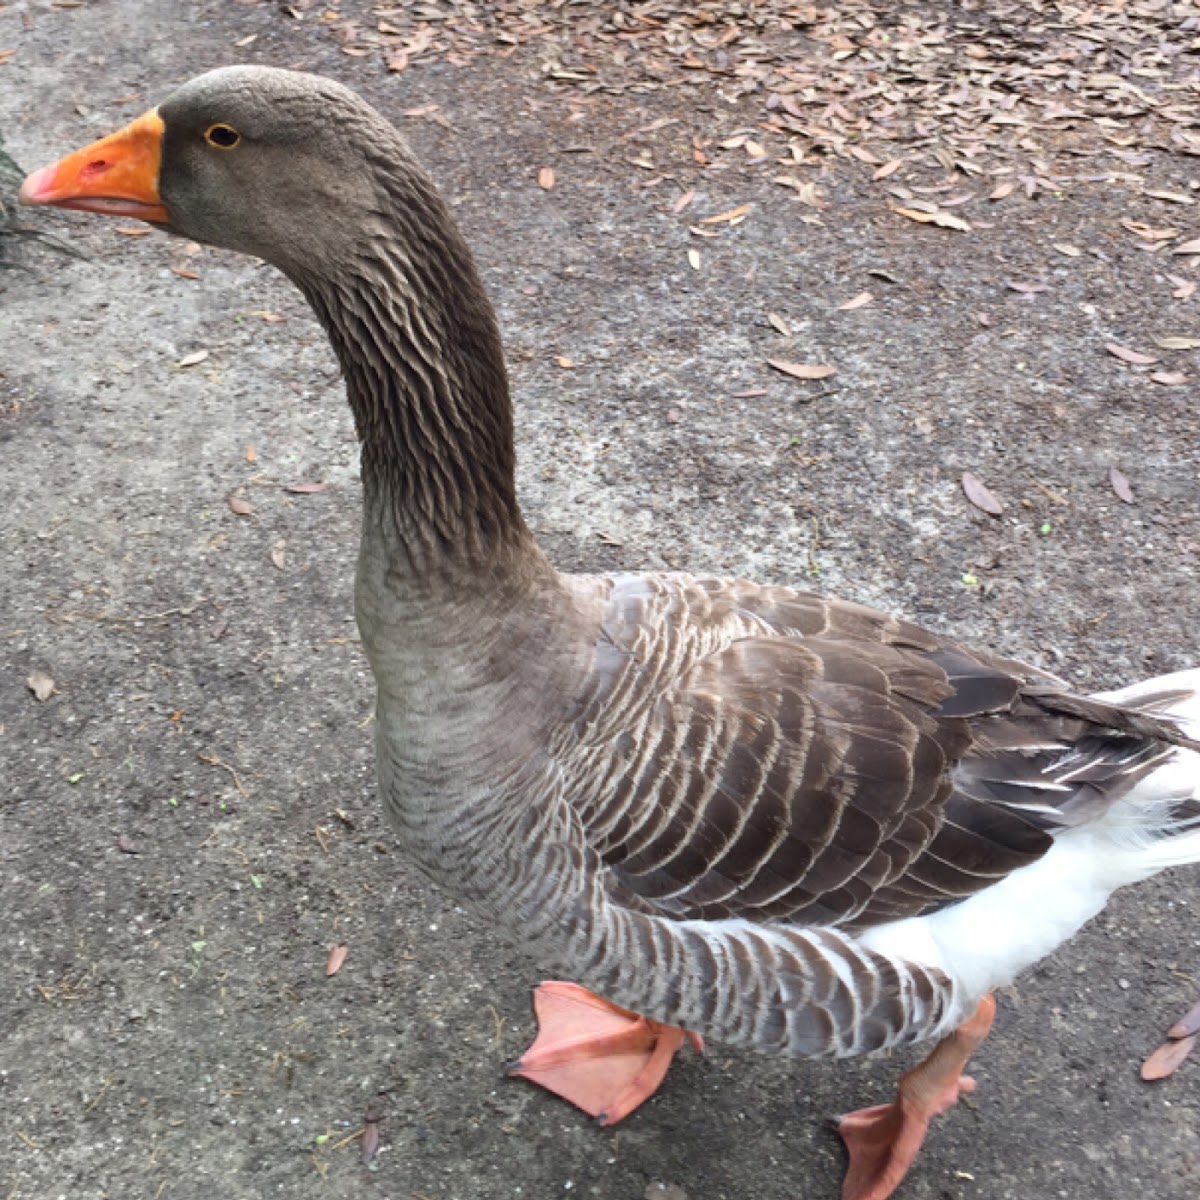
[[291, 168]]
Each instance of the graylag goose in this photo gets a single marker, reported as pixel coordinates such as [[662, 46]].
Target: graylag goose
[[763, 816]]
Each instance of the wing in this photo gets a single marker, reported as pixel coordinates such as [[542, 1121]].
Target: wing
[[776, 756]]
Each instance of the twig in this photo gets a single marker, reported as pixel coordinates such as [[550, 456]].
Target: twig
[[213, 761]]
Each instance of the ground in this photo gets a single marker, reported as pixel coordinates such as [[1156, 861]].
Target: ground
[[187, 818]]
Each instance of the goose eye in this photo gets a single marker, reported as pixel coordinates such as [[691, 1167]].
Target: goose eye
[[224, 137]]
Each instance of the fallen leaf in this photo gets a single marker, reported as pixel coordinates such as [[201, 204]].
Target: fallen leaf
[[127, 845], [1148, 233], [1003, 189], [1027, 289], [305, 489], [888, 168], [1186, 1027], [251, 454], [1166, 1059], [1185, 289], [546, 178], [193, 359], [937, 217], [683, 201], [732, 215], [1192, 247], [1120, 485], [279, 554], [664, 1191], [805, 189], [563, 361], [133, 230], [1178, 343], [693, 257], [1136, 357], [368, 1147], [184, 272], [1169, 378], [1067, 249], [979, 496], [779, 324], [1173, 197], [337, 956], [859, 301], [802, 370], [41, 685], [243, 508]]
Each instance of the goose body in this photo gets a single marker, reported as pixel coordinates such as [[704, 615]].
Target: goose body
[[776, 819]]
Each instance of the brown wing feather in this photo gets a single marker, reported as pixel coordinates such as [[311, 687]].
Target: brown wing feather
[[776, 756]]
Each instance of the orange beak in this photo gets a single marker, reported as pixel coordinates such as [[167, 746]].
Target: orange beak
[[116, 175]]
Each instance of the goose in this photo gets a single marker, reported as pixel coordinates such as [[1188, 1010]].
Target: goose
[[717, 809]]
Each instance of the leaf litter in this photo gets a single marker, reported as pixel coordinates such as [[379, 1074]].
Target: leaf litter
[[1011, 87]]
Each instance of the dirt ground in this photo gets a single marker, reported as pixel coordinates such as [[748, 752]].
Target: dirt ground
[[188, 822]]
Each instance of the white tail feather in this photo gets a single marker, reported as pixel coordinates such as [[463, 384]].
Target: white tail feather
[[987, 939]]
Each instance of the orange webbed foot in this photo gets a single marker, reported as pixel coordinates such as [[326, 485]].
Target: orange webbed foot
[[599, 1057], [883, 1141]]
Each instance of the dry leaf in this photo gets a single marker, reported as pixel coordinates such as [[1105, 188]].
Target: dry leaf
[[779, 324], [1067, 249], [1173, 197], [1186, 1027], [1169, 378], [1192, 247], [1185, 289], [41, 685], [251, 454], [305, 489], [664, 1191], [859, 301], [979, 496], [1003, 189], [803, 370], [243, 508], [1148, 233], [191, 360], [133, 230], [1166, 1059], [127, 845], [337, 956], [368, 1147], [1136, 357], [184, 272], [888, 168], [693, 257], [732, 215], [937, 217], [805, 189], [1120, 485], [683, 201], [563, 361], [279, 554], [1178, 343], [546, 178], [1027, 289]]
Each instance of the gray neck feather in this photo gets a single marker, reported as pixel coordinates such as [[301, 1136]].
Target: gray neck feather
[[420, 350]]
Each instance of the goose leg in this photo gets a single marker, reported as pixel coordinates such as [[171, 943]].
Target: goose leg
[[603, 1059], [883, 1141]]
